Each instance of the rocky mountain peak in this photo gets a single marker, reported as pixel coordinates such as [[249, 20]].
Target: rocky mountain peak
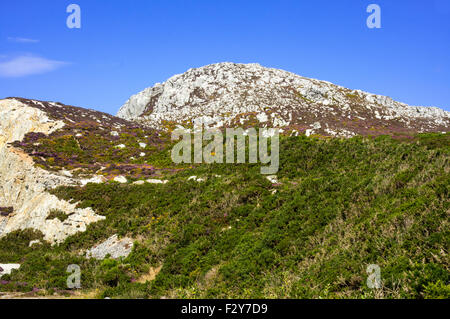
[[226, 94]]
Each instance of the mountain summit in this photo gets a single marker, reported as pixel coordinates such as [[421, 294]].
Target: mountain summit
[[230, 94]]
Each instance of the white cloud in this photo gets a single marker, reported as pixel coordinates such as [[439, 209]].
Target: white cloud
[[22, 40], [28, 65]]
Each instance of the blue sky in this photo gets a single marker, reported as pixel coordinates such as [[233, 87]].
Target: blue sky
[[126, 46]]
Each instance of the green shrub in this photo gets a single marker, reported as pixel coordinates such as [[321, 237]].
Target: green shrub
[[340, 206]]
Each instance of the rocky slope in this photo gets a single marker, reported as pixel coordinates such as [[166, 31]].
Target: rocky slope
[[228, 94], [23, 196], [44, 145], [219, 230]]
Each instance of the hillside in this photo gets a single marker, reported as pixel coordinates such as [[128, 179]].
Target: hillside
[[363, 180], [44, 145], [230, 94], [338, 206]]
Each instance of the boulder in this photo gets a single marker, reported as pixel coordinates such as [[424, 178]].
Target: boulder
[[113, 246]]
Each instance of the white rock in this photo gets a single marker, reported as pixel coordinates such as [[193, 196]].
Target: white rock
[[66, 173], [97, 179], [197, 179], [316, 126], [6, 269], [156, 181], [262, 117], [121, 146], [273, 179], [120, 179], [113, 246], [34, 242], [142, 145], [18, 119]]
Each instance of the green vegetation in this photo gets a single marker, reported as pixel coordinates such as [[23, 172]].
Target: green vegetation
[[340, 206], [87, 148], [301, 96], [353, 96], [58, 214]]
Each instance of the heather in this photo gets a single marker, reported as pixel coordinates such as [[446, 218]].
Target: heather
[[95, 143]]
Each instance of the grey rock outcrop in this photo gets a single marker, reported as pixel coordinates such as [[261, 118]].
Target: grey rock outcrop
[[24, 186], [228, 94], [113, 246]]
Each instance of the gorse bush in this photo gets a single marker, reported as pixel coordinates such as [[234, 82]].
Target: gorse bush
[[57, 214], [340, 205]]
